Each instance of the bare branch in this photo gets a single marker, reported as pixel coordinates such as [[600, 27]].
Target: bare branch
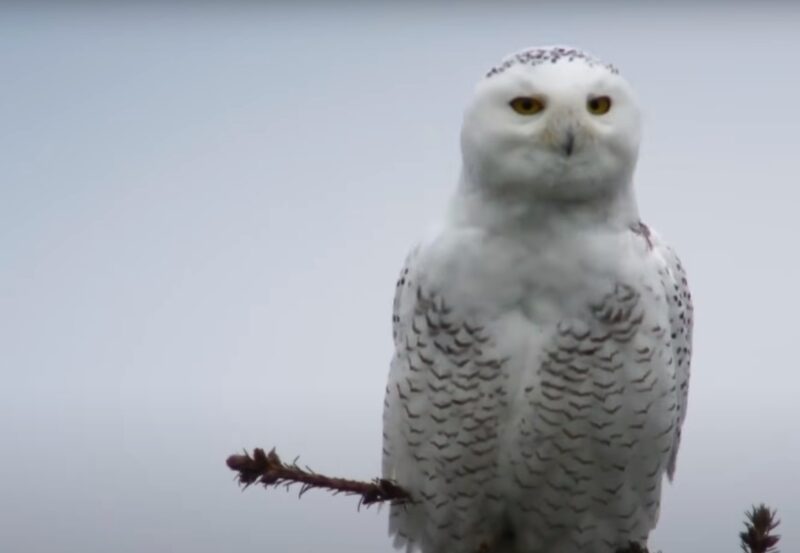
[[269, 470]]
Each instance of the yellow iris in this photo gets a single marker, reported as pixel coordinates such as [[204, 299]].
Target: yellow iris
[[599, 105], [527, 105]]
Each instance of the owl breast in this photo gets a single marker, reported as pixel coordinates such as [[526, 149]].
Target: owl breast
[[532, 404], [592, 420]]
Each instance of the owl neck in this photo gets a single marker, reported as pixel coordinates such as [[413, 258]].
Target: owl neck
[[475, 205]]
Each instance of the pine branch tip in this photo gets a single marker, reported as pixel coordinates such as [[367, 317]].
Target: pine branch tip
[[759, 524], [269, 470]]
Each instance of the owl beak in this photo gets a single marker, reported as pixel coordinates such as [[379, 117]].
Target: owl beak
[[568, 146]]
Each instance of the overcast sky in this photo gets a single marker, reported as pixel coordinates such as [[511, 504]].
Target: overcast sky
[[203, 212]]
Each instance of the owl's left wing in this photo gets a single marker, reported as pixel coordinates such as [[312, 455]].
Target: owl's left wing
[[679, 301]]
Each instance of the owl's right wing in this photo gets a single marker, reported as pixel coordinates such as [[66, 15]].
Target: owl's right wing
[[446, 387]]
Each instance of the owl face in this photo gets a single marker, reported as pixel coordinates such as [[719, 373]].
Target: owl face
[[564, 127]]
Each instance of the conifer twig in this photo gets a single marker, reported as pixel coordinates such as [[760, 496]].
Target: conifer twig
[[758, 536], [269, 470]]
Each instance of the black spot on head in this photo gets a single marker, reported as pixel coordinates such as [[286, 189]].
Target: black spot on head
[[538, 56]]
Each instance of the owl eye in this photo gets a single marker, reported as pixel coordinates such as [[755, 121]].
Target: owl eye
[[527, 105], [599, 105]]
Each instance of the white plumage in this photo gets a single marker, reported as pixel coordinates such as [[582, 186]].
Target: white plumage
[[542, 333]]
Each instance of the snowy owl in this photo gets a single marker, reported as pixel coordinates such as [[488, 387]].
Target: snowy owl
[[542, 333]]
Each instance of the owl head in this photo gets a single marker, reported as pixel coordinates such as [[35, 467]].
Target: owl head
[[551, 122]]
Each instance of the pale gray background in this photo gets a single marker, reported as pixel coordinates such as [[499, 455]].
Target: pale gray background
[[203, 211]]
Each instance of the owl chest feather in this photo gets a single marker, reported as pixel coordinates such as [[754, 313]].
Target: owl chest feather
[[538, 378], [590, 419]]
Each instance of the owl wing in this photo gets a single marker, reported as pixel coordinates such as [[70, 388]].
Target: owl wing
[[679, 301], [445, 388]]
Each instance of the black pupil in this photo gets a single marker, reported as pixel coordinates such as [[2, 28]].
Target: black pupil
[[527, 104], [595, 104]]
